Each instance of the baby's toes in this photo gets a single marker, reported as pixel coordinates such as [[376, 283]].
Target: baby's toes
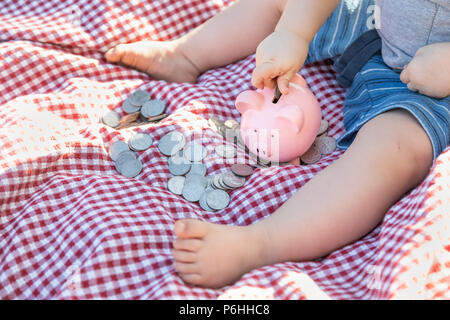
[[127, 53], [190, 228], [187, 244], [115, 54], [184, 256], [194, 279], [186, 267]]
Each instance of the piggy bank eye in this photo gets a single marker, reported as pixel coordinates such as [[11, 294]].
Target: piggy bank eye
[[256, 130], [273, 136]]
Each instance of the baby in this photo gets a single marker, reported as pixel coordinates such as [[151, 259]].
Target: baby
[[396, 116]]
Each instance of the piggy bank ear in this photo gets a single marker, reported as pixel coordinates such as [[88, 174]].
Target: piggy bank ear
[[249, 100], [290, 115]]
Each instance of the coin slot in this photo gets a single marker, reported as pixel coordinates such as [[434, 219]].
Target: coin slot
[[276, 94]]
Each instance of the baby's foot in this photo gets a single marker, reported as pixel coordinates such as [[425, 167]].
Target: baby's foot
[[213, 255], [161, 59]]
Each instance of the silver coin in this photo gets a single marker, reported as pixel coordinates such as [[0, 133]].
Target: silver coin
[[325, 144], [312, 155], [233, 181], [111, 119], [197, 179], [197, 168], [139, 97], [203, 203], [323, 127], [153, 108], [263, 161], [231, 124], [171, 143], [178, 165], [128, 107], [195, 152], [217, 199], [131, 168], [223, 185], [117, 148], [259, 161], [124, 157], [225, 151], [241, 169], [192, 191], [240, 140], [216, 124], [140, 142], [178, 158], [231, 135], [216, 182], [176, 184], [209, 182]]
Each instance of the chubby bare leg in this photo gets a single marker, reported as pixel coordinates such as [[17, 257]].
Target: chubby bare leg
[[231, 35], [390, 155]]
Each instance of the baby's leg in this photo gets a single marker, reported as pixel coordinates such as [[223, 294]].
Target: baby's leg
[[390, 155], [231, 35]]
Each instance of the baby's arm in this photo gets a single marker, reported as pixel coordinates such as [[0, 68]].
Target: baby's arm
[[429, 71], [283, 52]]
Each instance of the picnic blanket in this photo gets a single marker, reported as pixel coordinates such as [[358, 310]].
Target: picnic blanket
[[71, 227]]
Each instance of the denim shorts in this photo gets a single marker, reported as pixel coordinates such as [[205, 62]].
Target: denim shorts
[[376, 88]]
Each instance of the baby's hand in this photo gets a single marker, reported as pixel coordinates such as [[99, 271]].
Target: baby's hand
[[280, 55], [429, 71]]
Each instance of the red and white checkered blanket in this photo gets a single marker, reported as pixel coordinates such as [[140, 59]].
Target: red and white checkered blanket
[[71, 227]]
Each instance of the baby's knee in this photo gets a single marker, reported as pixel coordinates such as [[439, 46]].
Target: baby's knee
[[398, 141]]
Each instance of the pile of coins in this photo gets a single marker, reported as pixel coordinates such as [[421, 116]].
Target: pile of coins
[[139, 108], [323, 145], [231, 130], [125, 159], [189, 173]]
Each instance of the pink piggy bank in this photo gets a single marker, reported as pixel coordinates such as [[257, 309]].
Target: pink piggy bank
[[282, 131]]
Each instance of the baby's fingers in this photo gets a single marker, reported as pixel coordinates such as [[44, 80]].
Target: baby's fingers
[[283, 82], [404, 75], [263, 76]]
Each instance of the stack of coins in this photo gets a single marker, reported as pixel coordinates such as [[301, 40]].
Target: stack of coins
[[215, 196], [139, 108], [323, 145], [189, 174], [231, 131], [125, 159]]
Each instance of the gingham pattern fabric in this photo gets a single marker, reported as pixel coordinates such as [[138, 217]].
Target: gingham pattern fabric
[[72, 228]]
